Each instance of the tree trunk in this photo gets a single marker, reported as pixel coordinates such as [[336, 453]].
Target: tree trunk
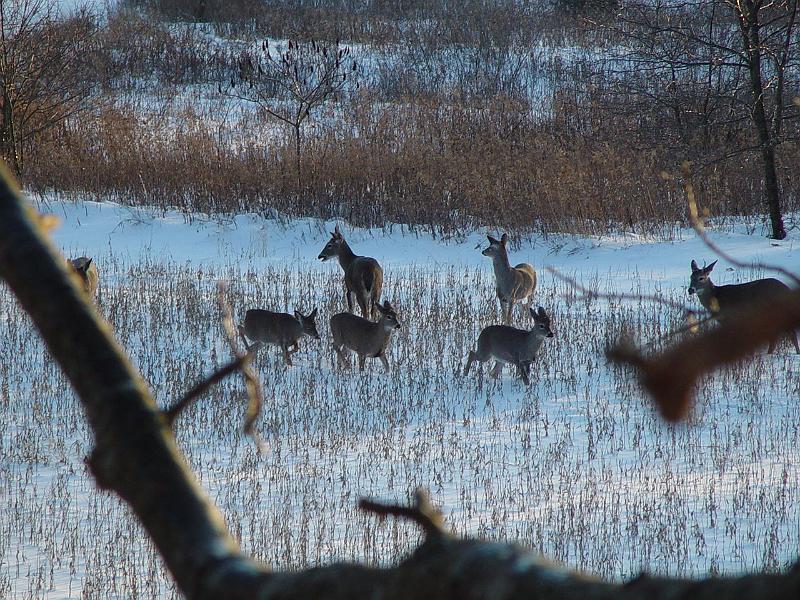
[[749, 25]]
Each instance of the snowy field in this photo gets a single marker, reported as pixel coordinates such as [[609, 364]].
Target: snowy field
[[576, 466]]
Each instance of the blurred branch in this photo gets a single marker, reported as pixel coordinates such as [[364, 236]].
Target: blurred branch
[[423, 513], [592, 294], [198, 390], [671, 377], [252, 384]]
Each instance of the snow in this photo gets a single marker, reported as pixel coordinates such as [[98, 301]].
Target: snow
[[94, 229], [577, 466]]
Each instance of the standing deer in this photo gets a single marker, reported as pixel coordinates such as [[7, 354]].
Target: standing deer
[[512, 346], [363, 276], [514, 284], [730, 301], [85, 268], [365, 338], [278, 329]]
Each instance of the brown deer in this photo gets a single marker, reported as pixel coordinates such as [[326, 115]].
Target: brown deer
[[363, 276], [85, 268], [512, 346], [731, 301], [364, 337], [278, 329], [514, 284]]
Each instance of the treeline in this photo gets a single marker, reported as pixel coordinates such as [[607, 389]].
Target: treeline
[[510, 114]]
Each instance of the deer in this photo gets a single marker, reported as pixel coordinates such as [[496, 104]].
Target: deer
[[363, 276], [368, 339], [514, 284], [278, 329], [85, 268], [512, 346], [731, 301]]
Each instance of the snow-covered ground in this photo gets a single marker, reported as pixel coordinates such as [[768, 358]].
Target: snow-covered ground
[[576, 466], [96, 229]]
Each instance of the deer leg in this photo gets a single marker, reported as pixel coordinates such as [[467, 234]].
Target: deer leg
[[349, 295], [362, 304], [294, 348], [524, 369], [496, 370], [342, 358], [286, 356], [385, 362], [772, 343], [793, 337], [470, 359], [361, 360]]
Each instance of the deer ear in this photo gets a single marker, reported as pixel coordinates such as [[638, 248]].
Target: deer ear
[[88, 264], [710, 267], [533, 312], [491, 239], [694, 266], [541, 312], [336, 230], [504, 239], [313, 313], [298, 315]]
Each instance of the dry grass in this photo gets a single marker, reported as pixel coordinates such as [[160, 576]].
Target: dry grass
[[423, 163], [577, 466]]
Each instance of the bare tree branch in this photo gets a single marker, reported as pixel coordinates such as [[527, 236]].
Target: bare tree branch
[[423, 513]]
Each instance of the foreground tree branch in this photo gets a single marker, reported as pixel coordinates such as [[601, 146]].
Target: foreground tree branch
[[136, 457], [670, 378]]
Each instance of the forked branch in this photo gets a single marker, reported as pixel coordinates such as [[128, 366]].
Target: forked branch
[[423, 513]]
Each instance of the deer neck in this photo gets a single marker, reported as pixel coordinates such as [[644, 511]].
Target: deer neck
[[533, 341], [706, 294], [502, 268], [384, 333], [345, 255]]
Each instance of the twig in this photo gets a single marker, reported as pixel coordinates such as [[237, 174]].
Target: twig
[[618, 296], [671, 376], [423, 513], [251, 381], [683, 329], [198, 390]]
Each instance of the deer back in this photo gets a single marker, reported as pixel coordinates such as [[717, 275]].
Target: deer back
[[269, 327], [727, 299], [364, 274], [509, 344], [359, 334], [524, 281]]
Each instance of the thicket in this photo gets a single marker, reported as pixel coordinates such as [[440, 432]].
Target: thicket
[[496, 114]]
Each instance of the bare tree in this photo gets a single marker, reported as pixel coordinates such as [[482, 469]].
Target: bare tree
[[136, 456], [44, 63], [289, 84], [712, 78]]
